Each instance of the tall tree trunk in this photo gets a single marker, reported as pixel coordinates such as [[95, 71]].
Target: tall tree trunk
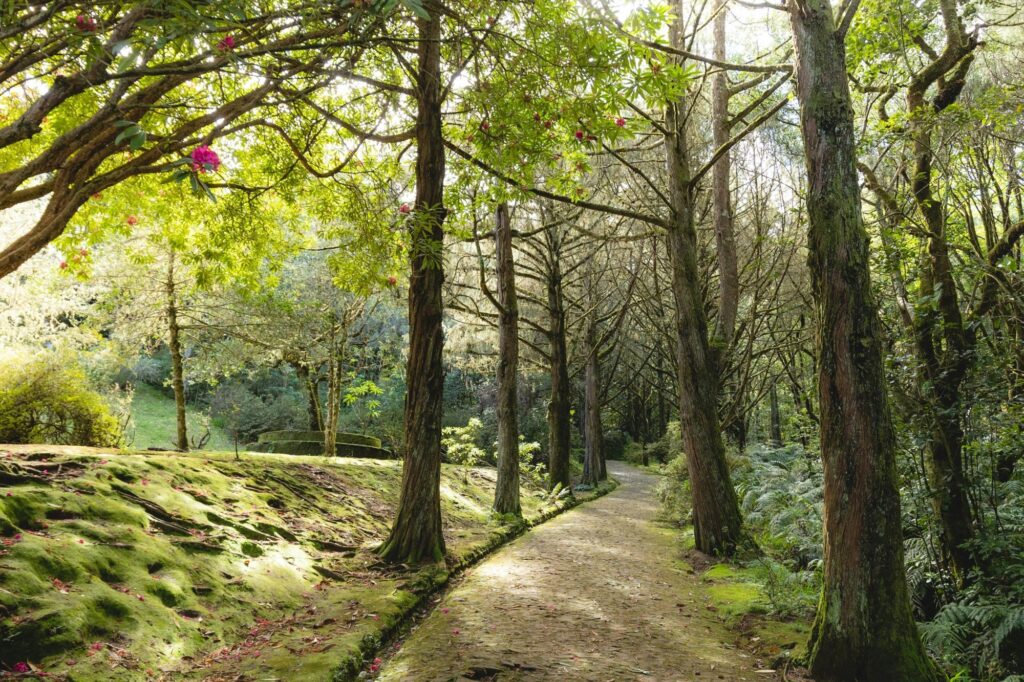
[[775, 417], [174, 346], [944, 344], [313, 416], [717, 524], [594, 469], [335, 365], [863, 629], [506, 492], [559, 409], [417, 535], [725, 240]]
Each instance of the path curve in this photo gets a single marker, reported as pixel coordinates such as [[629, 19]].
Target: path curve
[[598, 593]]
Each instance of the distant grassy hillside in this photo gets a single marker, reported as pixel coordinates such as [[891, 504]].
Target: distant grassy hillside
[[130, 566], [154, 421]]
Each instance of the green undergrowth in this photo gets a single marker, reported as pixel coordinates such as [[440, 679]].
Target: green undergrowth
[[769, 612], [130, 565]]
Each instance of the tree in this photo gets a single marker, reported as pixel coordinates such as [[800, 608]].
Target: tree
[[506, 492], [416, 534], [863, 628]]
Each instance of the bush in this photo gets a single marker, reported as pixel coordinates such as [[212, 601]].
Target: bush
[[47, 399], [245, 415], [461, 444], [674, 491]]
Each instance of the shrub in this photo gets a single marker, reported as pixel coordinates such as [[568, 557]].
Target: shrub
[[674, 491], [47, 399], [531, 464], [245, 415], [461, 444]]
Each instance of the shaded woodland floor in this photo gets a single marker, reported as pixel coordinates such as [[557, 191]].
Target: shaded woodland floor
[[600, 593]]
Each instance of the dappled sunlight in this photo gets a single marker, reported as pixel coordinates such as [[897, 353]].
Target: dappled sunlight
[[594, 594]]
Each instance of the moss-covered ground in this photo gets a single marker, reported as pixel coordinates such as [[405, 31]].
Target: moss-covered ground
[[131, 565]]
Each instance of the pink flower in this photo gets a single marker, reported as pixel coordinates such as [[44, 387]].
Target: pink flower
[[21, 667], [621, 122], [17, 536], [404, 208], [227, 44], [85, 23], [132, 220], [444, 610], [204, 159], [63, 266], [579, 134]]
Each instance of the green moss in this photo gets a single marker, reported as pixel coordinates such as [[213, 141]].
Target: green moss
[[177, 556], [720, 572], [737, 598], [251, 549]]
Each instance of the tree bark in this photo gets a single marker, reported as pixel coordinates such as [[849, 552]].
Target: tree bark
[[506, 493], [594, 468], [863, 629], [945, 346], [559, 417], [312, 388], [718, 526], [725, 240], [417, 534], [335, 365], [177, 365], [775, 417]]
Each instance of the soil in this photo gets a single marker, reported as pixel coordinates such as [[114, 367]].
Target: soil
[[601, 593]]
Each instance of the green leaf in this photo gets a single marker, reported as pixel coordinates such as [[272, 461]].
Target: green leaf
[[417, 8], [137, 141]]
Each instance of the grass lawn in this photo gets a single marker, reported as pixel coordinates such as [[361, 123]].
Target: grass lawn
[[154, 422]]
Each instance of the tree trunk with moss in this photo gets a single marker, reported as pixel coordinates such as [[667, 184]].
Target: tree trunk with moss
[[335, 365], [594, 470], [863, 629], [506, 492], [177, 364], [559, 408], [417, 535], [717, 523], [313, 410], [725, 239]]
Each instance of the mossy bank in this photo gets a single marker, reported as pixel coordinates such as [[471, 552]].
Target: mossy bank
[[129, 565]]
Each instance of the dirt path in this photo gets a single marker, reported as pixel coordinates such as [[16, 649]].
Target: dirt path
[[599, 593]]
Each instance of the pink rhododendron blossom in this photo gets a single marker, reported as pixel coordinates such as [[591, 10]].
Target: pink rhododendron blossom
[[21, 667], [204, 159], [227, 44], [404, 208]]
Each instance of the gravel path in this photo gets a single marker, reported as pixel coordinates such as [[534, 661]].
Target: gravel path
[[599, 593]]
